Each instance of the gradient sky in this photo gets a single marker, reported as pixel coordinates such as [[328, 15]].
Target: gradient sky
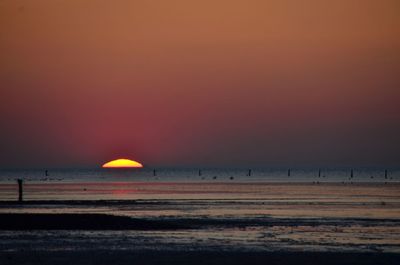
[[210, 83]]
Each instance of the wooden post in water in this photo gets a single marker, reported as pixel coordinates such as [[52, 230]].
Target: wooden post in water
[[199, 172], [20, 190], [288, 172], [249, 173], [154, 173], [319, 173], [385, 173], [351, 173]]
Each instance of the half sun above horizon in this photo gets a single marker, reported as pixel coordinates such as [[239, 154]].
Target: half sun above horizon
[[122, 163]]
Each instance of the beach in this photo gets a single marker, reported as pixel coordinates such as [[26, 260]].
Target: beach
[[187, 220], [195, 257]]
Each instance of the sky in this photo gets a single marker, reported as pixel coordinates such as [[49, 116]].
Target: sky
[[216, 83]]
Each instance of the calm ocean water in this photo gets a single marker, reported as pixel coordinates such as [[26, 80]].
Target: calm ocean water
[[201, 175]]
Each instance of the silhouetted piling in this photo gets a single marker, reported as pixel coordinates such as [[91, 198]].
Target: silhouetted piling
[[199, 172], [351, 173], [288, 172], [385, 173], [154, 173], [46, 172], [249, 174], [319, 173], [20, 190]]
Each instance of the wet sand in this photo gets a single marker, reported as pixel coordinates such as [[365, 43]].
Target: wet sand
[[195, 258], [105, 239], [30, 221], [192, 223], [83, 222]]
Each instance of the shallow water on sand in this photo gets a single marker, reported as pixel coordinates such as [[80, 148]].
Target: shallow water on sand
[[253, 238], [233, 211], [222, 199], [122, 184]]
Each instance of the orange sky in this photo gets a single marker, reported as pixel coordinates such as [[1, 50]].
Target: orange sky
[[218, 83]]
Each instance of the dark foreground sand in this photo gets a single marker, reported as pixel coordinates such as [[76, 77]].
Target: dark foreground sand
[[195, 257], [254, 224], [25, 221], [109, 253], [96, 221]]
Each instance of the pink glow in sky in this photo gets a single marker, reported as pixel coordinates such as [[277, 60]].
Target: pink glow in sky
[[214, 83]]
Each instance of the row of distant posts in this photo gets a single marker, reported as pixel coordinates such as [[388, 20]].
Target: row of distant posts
[[21, 191], [289, 172]]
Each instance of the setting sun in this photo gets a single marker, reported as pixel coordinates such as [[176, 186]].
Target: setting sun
[[122, 163]]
